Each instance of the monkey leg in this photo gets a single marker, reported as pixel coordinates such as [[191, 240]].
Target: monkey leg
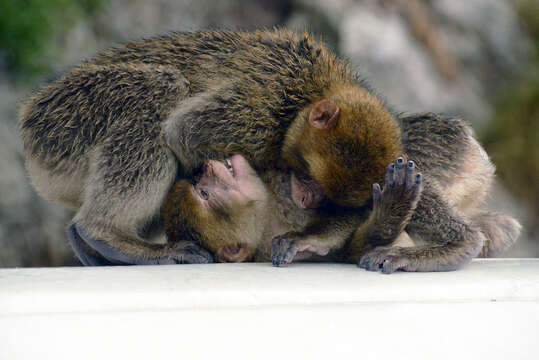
[[392, 210], [500, 232], [127, 184], [86, 255], [186, 252], [452, 241]]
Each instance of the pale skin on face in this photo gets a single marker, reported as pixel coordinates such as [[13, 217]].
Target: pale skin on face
[[233, 183], [231, 187]]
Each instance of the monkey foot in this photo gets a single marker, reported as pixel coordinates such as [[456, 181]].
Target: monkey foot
[[386, 259]]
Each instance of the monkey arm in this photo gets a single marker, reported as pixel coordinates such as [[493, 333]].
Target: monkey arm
[[324, 235], [392, 210], [222, 122]]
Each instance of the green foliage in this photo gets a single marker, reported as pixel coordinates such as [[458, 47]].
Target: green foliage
[[513, 138], [28, 26]]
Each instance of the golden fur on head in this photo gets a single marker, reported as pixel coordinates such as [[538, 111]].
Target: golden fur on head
[[348, 158], [215, 228]]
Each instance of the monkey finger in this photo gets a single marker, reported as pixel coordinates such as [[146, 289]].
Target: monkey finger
[[390, 173], [276, 252], [376, 194], [418, 181], [391, 264], [400, 172], [411, 171], [291, 252]]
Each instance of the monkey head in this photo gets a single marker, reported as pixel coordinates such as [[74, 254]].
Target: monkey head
[[342, 144], [220, 210]]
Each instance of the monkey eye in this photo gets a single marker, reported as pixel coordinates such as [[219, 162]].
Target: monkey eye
[[204, 195]]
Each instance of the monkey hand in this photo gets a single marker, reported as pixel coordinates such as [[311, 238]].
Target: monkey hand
[[290, 246], [394, 205]]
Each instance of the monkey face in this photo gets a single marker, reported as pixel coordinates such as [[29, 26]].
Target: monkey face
[[224, 208], [343, 144], [306, 192], [228, 183]]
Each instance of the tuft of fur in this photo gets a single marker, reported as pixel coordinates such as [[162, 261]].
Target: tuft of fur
[[501, 232]]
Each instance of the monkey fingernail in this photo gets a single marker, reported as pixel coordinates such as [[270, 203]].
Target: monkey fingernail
[[411, 164]]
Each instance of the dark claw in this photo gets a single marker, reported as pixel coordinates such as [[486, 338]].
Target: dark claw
[[411, 164], [400, 161]]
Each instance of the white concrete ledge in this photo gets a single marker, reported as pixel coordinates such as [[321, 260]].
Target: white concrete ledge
[[487, 310]]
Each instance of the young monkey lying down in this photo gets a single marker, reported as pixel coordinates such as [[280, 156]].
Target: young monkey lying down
[[239, 215]]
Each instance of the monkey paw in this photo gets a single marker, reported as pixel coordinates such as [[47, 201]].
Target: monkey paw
[[289, 247], [385, 258], [402, 190], [283, 250]]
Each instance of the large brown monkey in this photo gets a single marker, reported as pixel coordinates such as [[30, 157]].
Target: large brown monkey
[[235, 214], [111, 136]]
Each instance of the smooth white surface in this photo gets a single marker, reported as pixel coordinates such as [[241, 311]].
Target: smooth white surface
[[487, 310]]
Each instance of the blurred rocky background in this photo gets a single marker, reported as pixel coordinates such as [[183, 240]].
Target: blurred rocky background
[[477, 59]]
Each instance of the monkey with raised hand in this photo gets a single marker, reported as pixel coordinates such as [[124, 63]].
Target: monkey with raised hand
[[111, 137], [235, 214]]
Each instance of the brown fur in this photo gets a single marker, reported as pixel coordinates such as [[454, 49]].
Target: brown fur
[[447, 227], [106, 137], [273, 214], [111, 136], [449, 220]]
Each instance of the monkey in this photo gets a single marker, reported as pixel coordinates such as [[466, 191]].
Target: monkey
[[457, 176], [235, 213], [111, 137]]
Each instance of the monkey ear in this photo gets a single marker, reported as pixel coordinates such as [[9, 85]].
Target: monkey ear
[[324, 114]]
